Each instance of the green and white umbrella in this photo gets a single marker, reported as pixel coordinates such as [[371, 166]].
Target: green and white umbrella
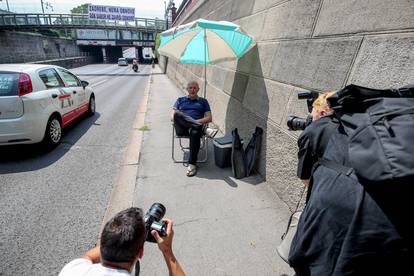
[[205, 42]]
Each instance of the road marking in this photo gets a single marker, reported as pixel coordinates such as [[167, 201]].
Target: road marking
[[98, 83], [122, 195]]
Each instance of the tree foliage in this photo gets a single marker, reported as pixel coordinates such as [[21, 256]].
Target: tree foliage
[[157, 45], [80, 9]]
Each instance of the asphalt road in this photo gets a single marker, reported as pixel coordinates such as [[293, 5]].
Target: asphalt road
[[52, 203]]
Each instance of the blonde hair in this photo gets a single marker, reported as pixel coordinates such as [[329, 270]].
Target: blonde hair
[[320, 104]]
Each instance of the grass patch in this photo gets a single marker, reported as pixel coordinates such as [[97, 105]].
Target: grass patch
[[144, 128]]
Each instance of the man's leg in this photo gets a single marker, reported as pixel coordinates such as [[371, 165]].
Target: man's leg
[[186, 121], [180, 130], [195, 135]]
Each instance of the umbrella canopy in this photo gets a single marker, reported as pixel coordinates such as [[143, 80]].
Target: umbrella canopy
[[205, 42]]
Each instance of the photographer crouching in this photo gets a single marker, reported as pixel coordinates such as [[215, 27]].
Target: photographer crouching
[[122, 244], [345, 227], [313, 140]]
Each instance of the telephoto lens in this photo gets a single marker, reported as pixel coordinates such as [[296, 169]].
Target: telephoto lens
[[298, 123], [153, 221]]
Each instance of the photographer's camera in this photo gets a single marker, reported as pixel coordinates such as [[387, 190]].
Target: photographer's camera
[[153, 221], [299, 123]]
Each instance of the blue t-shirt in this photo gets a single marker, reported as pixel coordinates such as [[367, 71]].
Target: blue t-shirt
[[193, 108]]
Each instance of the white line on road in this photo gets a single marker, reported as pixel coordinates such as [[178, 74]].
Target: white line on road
[[98, 83]]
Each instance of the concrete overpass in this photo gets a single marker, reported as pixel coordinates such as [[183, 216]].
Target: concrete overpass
[[18, 21], [112, 41], [103, 39]]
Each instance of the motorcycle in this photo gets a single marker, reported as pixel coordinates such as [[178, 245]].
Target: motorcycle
[[135, 65]]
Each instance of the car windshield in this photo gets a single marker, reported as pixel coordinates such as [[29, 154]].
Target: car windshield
[[122, 59], [8, 83]]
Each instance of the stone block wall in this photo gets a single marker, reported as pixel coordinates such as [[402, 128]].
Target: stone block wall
[[301, 45], [18, 47]]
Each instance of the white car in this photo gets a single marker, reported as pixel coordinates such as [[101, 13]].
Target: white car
[[122, 62], [37, 101]]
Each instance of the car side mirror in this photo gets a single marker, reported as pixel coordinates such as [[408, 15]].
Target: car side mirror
[[84, 83]]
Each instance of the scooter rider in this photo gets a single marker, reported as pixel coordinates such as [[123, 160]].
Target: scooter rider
[[135, 64]]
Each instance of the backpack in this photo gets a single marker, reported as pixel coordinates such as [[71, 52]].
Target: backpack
[[252, 150], [238, 158], [244, 161], [380, 129]]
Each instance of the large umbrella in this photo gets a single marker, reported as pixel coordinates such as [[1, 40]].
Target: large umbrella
[[205, 42]]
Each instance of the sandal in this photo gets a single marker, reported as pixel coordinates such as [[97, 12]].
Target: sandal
[[192, 170], [211, 132]]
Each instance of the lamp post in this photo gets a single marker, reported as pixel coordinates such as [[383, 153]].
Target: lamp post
[[166, 15], [47, 4], [41, 3], [8, 8]]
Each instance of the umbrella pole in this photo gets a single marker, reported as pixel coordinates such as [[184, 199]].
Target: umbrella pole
[[205, 64]]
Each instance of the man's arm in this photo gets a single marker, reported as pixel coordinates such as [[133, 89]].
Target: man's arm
[[206, 119], [93, 255], [165, 246], [175, 108], [172, 114]]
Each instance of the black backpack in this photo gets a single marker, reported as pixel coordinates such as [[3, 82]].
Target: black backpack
[[244, 161], [379, 125]]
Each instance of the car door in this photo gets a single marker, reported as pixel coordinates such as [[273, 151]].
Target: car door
[[74, 86], [61, 97]]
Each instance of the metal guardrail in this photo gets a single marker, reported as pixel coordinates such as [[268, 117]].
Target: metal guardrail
[[38, 20]]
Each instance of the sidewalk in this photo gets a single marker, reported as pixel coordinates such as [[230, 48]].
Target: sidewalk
[[223, 226]]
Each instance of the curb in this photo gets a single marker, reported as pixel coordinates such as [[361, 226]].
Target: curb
[[122, 194]]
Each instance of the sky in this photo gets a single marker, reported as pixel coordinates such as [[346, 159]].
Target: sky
[[143, 8]]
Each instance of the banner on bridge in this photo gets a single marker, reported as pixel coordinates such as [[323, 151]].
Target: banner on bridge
[[95, 34], [99, 12], [96, 42]]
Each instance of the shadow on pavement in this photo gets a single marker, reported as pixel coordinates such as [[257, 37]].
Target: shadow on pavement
[[22, 158], [121, 75]]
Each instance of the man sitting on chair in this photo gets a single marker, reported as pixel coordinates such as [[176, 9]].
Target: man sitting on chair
[[191, 114]]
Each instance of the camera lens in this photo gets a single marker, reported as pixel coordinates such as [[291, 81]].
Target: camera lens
[[297, 123], [152, 221], [157, 211]]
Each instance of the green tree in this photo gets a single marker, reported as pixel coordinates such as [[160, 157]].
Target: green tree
[[157, 45], [80, 9]]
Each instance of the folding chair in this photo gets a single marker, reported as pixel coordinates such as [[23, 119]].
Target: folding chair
[[186, 149]]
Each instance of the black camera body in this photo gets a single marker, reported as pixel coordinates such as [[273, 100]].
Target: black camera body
[[153, 221], [299, 123]]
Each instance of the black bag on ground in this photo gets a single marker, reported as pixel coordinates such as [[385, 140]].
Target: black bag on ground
[[252, 150], [238, 159], [380, 128]]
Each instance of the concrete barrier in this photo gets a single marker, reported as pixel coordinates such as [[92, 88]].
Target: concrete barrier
[[70, 62]]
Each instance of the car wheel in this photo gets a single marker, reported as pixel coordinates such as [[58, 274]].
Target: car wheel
[[53, 133], [92, 106]]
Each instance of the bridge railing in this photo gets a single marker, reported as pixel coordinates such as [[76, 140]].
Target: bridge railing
[[75, 20]]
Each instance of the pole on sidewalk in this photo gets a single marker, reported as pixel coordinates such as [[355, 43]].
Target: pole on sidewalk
[[205, 64]]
